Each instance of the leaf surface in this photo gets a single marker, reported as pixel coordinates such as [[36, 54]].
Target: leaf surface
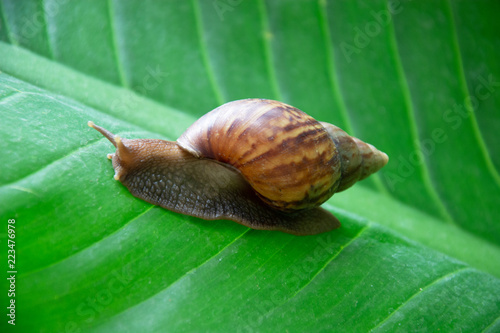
[[418, 249]]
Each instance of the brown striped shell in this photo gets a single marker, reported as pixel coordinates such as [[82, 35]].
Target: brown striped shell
[[286, 155], [261, 163]]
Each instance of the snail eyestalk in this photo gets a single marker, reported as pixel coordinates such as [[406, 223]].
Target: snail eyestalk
[[107, 134]]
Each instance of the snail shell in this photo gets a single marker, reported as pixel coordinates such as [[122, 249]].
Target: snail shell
[[261, 163]]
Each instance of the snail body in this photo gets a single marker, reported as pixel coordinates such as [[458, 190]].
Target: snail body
[[261, 163]]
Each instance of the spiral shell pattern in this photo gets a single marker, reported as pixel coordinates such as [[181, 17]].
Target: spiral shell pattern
[[287, 156]]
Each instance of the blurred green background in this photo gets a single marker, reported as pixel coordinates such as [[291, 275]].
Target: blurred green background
[[418, 249]]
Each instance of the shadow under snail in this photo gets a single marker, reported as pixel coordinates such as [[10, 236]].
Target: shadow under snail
[[261, 163]]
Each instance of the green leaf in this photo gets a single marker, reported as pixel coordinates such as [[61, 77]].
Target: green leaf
[[419, 246]]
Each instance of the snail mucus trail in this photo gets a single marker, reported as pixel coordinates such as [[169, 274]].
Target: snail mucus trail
[[261, 163]]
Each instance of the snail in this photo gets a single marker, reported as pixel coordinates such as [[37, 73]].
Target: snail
[[258, 162]]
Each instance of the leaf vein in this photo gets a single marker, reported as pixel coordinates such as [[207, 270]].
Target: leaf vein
[[50, 45], [114, 43], [332, 73], [421, 290], [9, 96], [342, 248], [181, 277], [267, 36], [72, 152], [470, 112], [3, 18], [204, 54], [23, 275], [493, 324], [251, 276], [335, 85], [413, 128]]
